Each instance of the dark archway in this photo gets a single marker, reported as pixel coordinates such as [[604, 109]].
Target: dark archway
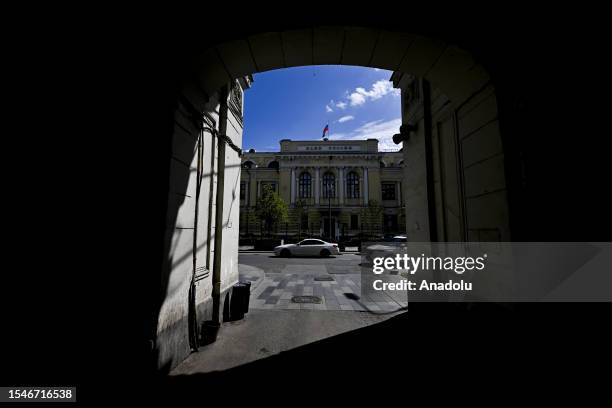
[[204, 67]]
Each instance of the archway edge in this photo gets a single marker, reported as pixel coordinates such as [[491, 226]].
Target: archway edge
[[449, 68]]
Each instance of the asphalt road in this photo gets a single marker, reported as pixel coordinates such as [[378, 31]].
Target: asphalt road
[[270, 264]]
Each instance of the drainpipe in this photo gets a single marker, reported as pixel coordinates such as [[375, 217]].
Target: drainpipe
[[431, 198], [216, 275]]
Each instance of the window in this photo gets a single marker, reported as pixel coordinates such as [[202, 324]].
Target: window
[[352, 185], [248, 164], [388, 191], [242, 190], [273, 165], [329, 185], [354, 221], [311, 242], [305, 189], [304, 222]]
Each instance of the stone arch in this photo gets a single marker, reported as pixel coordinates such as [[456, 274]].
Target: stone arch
[[451, 71], [249, 164], [446, 66], [274, 164]]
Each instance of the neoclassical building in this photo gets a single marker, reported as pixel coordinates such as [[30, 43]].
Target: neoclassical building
[[349, 182]]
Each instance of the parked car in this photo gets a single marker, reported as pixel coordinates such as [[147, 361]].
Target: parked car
[[387, 249], [308, 247]]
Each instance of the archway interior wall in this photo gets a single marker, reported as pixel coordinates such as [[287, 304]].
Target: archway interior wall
[[446, 66], [455, 76], [172, 343], [468, 168]]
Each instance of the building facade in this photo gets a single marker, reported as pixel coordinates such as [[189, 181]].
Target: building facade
[[200, 263], [334, 189]]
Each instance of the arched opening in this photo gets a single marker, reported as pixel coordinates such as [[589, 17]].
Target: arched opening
[[274, 165], [329, 185], [249, 164], [448, 104], [305, 185], [352, 185]]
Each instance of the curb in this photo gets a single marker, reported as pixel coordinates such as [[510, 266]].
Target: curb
[[242, 268]]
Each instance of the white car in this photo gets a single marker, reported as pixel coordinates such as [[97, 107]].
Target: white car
[[307, 247], [385, 249]]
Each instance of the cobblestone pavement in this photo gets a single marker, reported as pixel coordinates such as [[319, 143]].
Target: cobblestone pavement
[[336, 281]]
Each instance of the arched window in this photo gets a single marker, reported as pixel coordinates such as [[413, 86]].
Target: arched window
[[305, 190], [248, 164], [352, 185], [273, 165], [329, 185]]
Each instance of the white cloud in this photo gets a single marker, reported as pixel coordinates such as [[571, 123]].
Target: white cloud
[[328, 109], [377, 91], [341, 105], [378, 129], [346, 118], [357, 99]]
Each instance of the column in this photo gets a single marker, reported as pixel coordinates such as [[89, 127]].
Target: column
[[365, 186], [341, 184], [398, 191], [292, 186], [317, 186]]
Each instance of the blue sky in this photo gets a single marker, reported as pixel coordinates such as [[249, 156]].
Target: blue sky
[[297, 103]]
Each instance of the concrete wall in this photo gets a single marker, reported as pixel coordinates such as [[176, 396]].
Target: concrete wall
[[172, 341], [467, 161]]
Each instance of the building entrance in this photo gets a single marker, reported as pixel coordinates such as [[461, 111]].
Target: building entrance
[[326, 228]]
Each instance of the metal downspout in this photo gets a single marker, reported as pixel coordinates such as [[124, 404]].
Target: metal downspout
[[216, 276]]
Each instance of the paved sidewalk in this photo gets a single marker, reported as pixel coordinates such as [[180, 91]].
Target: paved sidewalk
[[277, 291], [252, 274], [263, 333]]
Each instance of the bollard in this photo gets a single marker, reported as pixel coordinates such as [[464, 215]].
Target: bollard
[[247, 296], [237, 301]]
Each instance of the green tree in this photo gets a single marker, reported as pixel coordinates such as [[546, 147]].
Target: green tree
[[299, 210], [271, 209], [372, 214]]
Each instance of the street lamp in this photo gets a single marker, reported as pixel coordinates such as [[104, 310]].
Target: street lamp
[[329, 201], [248, 201]]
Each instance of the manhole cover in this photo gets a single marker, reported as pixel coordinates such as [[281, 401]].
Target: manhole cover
[[306, 299], [324, 278]]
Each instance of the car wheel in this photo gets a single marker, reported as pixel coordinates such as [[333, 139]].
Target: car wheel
[[325, 253], [285, 253]]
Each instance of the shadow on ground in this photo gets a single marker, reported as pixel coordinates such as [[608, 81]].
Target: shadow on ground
[[366, 356]]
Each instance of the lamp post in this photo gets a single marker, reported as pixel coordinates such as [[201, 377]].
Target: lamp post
[[248, 201], [329, 201]]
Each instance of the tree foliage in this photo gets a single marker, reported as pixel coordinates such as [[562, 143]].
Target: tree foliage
[[271, 209]]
